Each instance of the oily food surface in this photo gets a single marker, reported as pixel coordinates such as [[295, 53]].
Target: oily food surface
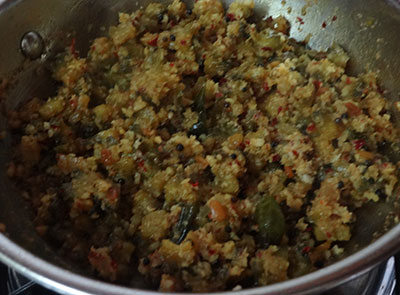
[[202, 151]]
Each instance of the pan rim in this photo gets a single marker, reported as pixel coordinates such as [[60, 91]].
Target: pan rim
[[67, 282]]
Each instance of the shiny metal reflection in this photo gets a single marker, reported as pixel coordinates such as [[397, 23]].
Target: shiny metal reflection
[[376, 47]]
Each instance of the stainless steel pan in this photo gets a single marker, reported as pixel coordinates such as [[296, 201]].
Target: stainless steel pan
[[368, 29]]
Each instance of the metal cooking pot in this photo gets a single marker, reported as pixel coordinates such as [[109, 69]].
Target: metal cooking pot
[[367, 29]]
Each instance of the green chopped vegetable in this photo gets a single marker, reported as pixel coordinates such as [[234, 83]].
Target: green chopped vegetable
[[270, 220], [185, 222]]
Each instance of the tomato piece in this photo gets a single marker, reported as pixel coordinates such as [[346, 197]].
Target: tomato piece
[[218, 212], [106, 157], [352, 109], [112, 194], [289, 171]]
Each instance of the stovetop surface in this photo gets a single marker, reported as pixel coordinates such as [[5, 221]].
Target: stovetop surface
[[12, 283], [379, 281]]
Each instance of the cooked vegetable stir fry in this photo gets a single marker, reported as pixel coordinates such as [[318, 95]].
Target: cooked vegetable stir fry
[[202, 151]]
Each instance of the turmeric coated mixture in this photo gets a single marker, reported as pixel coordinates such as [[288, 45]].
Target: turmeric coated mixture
[[202, 151]]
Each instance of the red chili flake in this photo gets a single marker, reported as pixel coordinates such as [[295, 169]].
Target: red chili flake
[[231, 16], [359, 144], [380, 90], [317, 84], [306, 249], [295, 153], [153, 42], [141, 165], [329, 235], [212, 27], [311, 127], [171, 64], [222, 81], [114, 265], [309, 229], [266, 48], [300, 20], [328, 170], [219, 95], [324, 25], [72, 45], [348, 81], [112, 194], [346, 158], [73, 103], [247, 142], [72, 48], [334, 18], [211, 251], [80, 204], [279, 110], [352, 109], [94, 255], [93, 48], [276, 158], [274, 121], [266, 86], [106, 157], [116, 54], [195, 184], [183, 42]]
